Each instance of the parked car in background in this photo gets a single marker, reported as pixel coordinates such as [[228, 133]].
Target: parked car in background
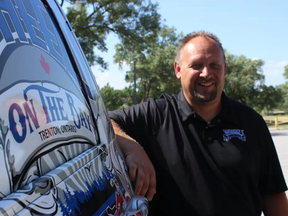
[[58, 155]]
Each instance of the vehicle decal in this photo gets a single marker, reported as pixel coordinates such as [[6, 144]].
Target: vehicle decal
[[108, 210], [28, 22], [35, 126], [78, 202], [45, 66], [49, 155], [25, 25], [87, 183]]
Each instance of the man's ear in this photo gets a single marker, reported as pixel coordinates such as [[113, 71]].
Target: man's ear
[[177, 70], [225, 68]]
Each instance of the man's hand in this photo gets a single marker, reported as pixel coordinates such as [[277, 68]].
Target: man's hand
[[141, 170], [139, 164]]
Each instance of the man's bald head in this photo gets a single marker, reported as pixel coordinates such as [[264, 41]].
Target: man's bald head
[[192, 35]]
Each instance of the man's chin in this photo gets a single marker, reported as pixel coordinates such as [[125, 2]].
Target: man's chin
[[205, 97]]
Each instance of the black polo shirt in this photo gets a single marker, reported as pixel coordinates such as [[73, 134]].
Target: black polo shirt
[[222, 167]]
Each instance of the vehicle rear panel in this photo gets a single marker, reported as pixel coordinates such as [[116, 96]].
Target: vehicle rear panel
[[57, 154]]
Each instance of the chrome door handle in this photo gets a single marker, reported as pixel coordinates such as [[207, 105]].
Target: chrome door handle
[[137, 205]]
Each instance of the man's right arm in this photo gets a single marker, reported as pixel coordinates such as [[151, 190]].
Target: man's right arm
[[139, 164], [275, 204]]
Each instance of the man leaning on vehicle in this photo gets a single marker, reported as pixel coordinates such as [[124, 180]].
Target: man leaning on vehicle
[[211, 154]]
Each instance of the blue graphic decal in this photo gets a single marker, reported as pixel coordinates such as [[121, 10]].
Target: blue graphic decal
[[79, 202], [28, 14], [7, 27], [109, 202], [29, 22], [55, 107]]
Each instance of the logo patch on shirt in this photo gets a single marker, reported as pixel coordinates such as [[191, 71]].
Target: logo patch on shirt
[[233, 133]]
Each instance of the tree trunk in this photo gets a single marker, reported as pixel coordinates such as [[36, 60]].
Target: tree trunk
[[146, 91]]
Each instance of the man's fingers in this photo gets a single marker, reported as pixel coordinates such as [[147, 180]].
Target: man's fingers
[[141, 170], [145, 185], [132, 171], [139, 181], [152, 187]]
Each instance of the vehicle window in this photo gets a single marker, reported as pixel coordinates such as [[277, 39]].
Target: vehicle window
[[100, 113]]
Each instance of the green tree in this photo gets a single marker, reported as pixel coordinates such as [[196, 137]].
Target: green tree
[[244, 80], [269, 99], [128, 95], [154, 63], [112, 98], [117, 99], [284, 89], [130, 20], [285, 74]]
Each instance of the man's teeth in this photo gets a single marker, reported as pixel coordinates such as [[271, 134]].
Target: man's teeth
[[206, 84]]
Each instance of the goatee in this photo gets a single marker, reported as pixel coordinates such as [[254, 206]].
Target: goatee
[[207, 97]]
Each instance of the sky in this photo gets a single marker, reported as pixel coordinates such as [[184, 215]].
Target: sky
[[257, 29]]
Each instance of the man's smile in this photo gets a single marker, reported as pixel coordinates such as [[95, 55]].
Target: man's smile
[[206, 84]]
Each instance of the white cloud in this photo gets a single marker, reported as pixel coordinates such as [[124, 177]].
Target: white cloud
[[119, 81], [282, 64], [273, 72], [116, 79], [102, 78]]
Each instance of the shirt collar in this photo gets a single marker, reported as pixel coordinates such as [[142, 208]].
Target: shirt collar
[[184, 107], [225, 115]]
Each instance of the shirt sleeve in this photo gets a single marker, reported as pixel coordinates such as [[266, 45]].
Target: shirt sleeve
[[139, 121], [271, 176]]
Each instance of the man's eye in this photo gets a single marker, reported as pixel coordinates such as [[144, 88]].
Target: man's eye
[[215, 66], [196, 66]]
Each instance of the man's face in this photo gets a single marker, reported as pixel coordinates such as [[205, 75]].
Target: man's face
[[202, 71]]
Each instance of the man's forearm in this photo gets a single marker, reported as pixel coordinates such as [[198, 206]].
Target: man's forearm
[[275, 204], [138, 163], [126, 143]]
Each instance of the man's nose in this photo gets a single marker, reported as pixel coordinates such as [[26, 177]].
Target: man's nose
[[206, 73]]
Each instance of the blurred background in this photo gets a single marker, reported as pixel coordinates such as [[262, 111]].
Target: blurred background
[[131, 47]]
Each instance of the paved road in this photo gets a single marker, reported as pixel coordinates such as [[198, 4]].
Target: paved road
[[280, 138]]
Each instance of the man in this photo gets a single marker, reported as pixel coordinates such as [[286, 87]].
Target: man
[[212, 155]]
